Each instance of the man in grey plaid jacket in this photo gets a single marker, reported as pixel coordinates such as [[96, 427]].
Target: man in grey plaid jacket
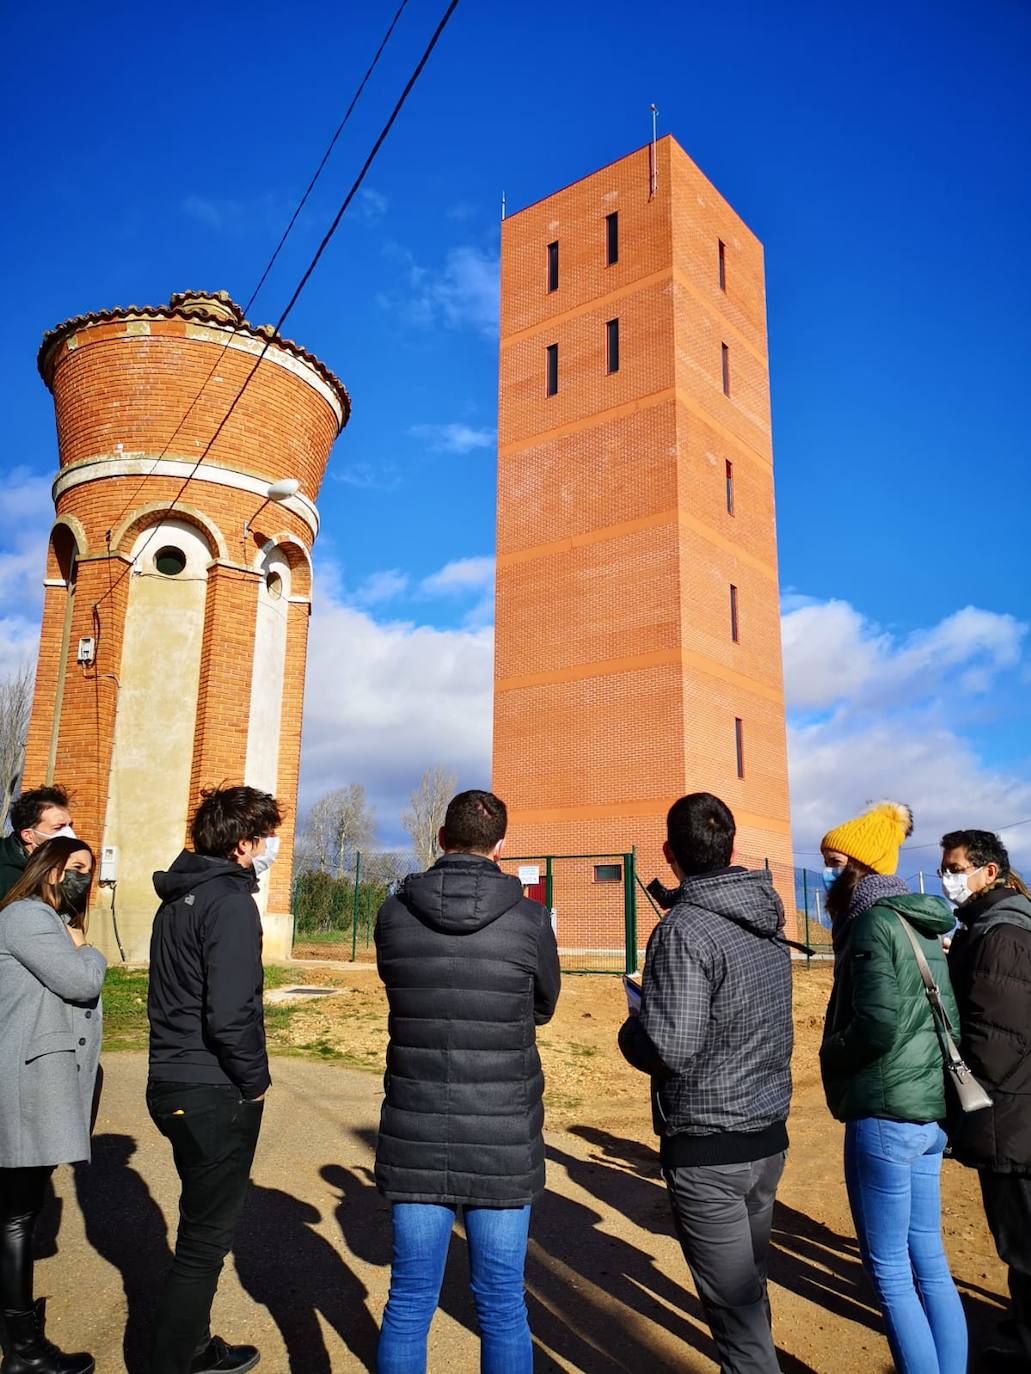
[[715, 1033]]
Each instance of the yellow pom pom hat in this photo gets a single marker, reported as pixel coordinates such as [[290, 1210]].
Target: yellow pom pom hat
[[875, 837]]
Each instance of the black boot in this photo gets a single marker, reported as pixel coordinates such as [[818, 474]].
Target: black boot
[[29, 1351], [219, 1358]]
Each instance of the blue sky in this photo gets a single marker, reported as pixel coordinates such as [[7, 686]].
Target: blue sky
[[880, 155]]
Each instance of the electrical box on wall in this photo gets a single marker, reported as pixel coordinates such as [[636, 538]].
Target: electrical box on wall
[[109, 864], [87, 650]]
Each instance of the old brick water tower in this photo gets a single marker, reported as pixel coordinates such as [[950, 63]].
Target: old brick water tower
[[175, 619]]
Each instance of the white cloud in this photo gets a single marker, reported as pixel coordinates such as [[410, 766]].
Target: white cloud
[[381, 586], [833, 654], [387, 699], [454, 438], [837, 767], [873, 715], [367, 476], [463, 293], [465, 577], [371, 206], [210, 212], [460, 576], [26, 515]]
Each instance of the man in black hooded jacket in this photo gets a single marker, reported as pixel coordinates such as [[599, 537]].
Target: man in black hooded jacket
[[470, 967], [208, 1066]]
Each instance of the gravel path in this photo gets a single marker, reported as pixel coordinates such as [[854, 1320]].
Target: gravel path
[[608, 1288]]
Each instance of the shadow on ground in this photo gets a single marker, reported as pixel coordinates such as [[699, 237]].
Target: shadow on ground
[[598, 1302]]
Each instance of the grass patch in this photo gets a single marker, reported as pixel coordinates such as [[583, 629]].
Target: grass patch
[[125, 1009], [125, 1006]]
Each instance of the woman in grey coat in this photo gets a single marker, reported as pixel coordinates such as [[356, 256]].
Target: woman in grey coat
[[50, 1026]]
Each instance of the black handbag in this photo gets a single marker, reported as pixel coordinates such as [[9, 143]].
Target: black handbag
[[969, 1095]]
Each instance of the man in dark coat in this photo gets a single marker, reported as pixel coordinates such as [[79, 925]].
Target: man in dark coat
[[208, 1065], [36, 816], [470, 967], [990, 966], [715, 1033]]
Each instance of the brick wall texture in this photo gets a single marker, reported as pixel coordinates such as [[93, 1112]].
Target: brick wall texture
[[618, 681], [121, 388]]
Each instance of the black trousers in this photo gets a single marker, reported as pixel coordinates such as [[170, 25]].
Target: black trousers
[[1007, 1206], [22, 1193], [723, 1214], [213, 1136]]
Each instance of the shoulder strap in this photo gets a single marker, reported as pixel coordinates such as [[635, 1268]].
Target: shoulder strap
[[772, 937], [938, 1012]]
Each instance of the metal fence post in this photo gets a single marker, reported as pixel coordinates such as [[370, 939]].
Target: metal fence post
[[548, 883], [354, 912], [805, 905], [630, 909]]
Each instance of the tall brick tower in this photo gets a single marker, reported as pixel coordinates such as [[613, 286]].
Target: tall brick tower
[[173, 643], [638, 632]]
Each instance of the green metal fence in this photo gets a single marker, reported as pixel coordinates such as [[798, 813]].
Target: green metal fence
[[601, 911], [593, 901]]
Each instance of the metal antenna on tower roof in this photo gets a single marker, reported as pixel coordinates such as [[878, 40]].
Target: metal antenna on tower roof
[[502, 205], [653, 160]]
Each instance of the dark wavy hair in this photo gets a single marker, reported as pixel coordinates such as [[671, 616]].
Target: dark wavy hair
[[37, 880], [985, 847], [228, 815], [27, 810]]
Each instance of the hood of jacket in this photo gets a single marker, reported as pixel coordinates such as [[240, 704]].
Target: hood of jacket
[[12, 851], [190, 871], [461, 893], [931, 916], [745, 896], [1000, 904]]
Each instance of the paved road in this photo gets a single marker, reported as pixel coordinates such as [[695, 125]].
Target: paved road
[[308, 1280]]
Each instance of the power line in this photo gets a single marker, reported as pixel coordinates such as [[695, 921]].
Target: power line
[[268, 266], [326, 155], [355, 187]]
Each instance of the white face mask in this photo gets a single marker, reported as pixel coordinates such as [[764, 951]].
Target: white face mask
[[261, 863], [956, 887], [66, 832]]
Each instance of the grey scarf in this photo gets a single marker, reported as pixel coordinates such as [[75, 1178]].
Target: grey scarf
[[871, 889]]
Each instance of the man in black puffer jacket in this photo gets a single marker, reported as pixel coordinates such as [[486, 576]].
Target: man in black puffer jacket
[[470, 967], [990, 967]]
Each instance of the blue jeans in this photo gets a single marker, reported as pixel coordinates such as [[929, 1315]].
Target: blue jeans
[[893, 1172], [497, 1258]]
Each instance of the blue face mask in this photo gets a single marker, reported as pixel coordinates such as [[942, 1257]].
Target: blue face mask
[[830, 877]]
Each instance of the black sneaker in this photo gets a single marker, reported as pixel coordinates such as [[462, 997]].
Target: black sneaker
[[219, 1358]]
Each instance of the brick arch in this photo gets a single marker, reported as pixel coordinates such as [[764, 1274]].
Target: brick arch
[[123, 538], [296, 554], [66, 530]]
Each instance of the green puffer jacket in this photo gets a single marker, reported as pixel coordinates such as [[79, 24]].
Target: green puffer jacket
[[881, 1055]]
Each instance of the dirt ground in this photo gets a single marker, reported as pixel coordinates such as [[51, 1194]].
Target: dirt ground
[[600, 1138]]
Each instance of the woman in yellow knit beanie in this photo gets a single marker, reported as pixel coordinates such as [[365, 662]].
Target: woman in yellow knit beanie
[[873, 840], [883, 1077]]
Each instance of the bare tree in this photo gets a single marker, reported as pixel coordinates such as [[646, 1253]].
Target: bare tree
[[15, 708], [385, 867], [337, 825], [429, 802]]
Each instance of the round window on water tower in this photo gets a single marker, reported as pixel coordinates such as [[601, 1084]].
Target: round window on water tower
[[170, 561], [274, 584]]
